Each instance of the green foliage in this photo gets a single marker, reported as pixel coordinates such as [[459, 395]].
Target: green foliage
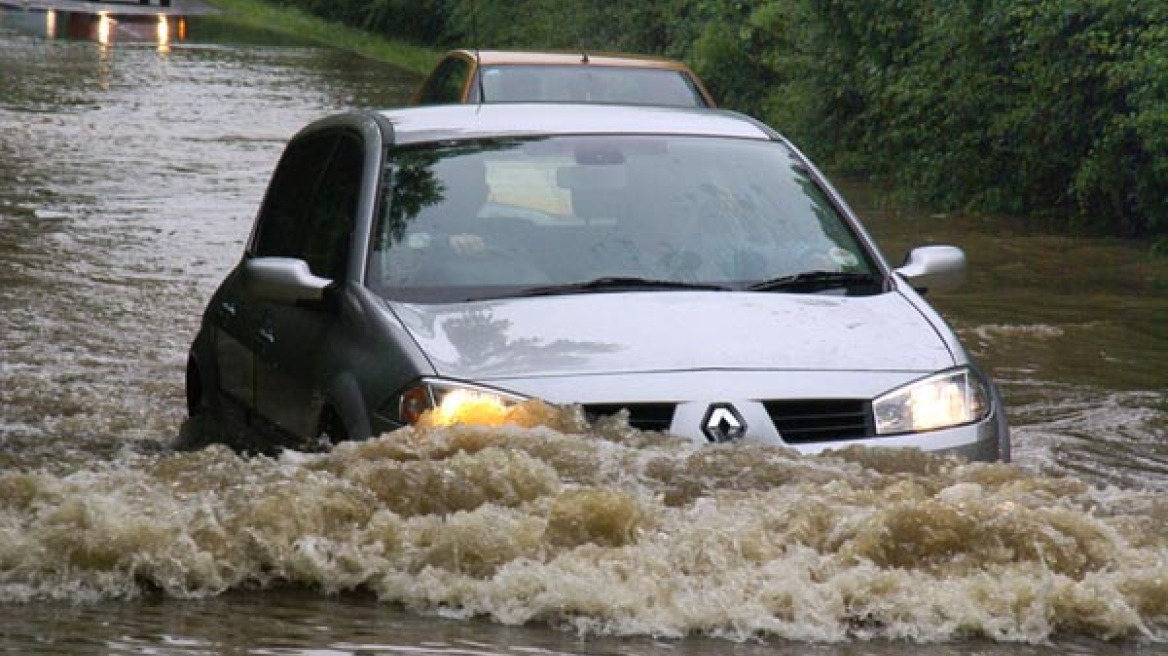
[[1046, 108], [418, 21], [414, 21], [562, 24], [1036, 107], [729, 54], [1125, 173]]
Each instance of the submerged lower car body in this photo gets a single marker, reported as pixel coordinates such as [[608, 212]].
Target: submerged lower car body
[[810, 412]]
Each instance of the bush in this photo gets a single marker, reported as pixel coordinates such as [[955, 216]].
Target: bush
[[1036, 107]]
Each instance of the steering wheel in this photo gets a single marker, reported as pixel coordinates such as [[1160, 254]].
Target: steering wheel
[[489, 263]]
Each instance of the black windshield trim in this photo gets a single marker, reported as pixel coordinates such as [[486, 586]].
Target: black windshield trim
[[609, 284], [817, 280]]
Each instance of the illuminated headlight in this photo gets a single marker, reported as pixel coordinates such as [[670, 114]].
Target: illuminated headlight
[[948, 399], [451, 403]]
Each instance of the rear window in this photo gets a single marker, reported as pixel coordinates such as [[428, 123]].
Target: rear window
[[589, 84]]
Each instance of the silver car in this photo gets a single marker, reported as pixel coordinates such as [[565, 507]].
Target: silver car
[[687, 267]]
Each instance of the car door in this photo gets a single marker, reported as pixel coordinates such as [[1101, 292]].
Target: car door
[[447, 83], [291, 337], [234, 330], [240, 318]]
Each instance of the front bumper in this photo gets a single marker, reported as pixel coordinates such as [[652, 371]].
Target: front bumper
[[981, 441], [690, 410]]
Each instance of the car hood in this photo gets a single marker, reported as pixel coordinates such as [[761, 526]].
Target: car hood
[[620, 333]]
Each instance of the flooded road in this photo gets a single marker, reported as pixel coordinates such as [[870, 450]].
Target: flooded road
[[129, 175]]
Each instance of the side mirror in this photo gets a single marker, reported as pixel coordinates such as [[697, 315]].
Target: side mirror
[[934, 268], [283, 280]]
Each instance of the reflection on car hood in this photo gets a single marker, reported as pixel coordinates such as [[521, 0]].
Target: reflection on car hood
[[674, 331]]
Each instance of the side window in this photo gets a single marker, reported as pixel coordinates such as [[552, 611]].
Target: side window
[[285, 209], [333, 210], [445, 85], [311, 205]]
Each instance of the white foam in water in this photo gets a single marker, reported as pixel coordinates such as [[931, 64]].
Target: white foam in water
[[620, 533]]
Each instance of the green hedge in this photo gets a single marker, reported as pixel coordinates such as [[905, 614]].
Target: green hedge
[[1042, 108]]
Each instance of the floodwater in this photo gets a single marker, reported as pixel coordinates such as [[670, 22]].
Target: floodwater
[[130, 168]]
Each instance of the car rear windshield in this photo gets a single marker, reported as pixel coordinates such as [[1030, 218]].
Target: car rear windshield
[[490, 218], [588, 84]]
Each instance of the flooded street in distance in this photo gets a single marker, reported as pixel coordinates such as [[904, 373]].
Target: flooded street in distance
[[130, 172]]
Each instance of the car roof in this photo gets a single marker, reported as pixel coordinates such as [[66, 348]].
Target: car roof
[[450, 122], [551, 57]]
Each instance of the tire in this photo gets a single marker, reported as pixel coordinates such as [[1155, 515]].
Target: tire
[[330, 432], [194, 433], [201, 427]]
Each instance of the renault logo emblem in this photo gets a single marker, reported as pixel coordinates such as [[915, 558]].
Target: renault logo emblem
[[723, 423]]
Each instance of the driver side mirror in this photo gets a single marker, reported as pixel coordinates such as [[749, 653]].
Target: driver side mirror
[[283, 280]]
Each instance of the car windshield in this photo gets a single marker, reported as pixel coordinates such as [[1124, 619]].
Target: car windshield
[[587, 83], [596, 214]]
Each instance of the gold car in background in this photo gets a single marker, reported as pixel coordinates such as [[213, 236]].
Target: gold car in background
[[490, 76]]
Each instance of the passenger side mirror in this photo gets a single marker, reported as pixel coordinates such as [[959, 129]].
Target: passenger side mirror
[[934, 268]]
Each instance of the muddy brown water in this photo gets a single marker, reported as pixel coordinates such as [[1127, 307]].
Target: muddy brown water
[[129, 173]]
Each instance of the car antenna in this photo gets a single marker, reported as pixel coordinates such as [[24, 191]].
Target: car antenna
[[474, 39], [479, 77]]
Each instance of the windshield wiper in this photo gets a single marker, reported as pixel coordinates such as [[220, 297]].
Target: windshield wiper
[[618, 284], [816, 280]]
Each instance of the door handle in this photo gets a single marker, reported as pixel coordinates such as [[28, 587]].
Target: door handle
[[267, 336], [228, 309]]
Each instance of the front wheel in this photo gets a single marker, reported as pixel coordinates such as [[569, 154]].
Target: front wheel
[[201, 427], [330, 432]]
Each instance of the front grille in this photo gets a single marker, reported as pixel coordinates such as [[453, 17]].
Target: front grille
[[821, 420], [642, 416]]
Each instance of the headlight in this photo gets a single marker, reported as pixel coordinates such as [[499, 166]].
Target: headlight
[[450, 403], [947, 399]]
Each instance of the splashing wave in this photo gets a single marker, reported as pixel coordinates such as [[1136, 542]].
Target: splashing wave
[[607, 530]]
